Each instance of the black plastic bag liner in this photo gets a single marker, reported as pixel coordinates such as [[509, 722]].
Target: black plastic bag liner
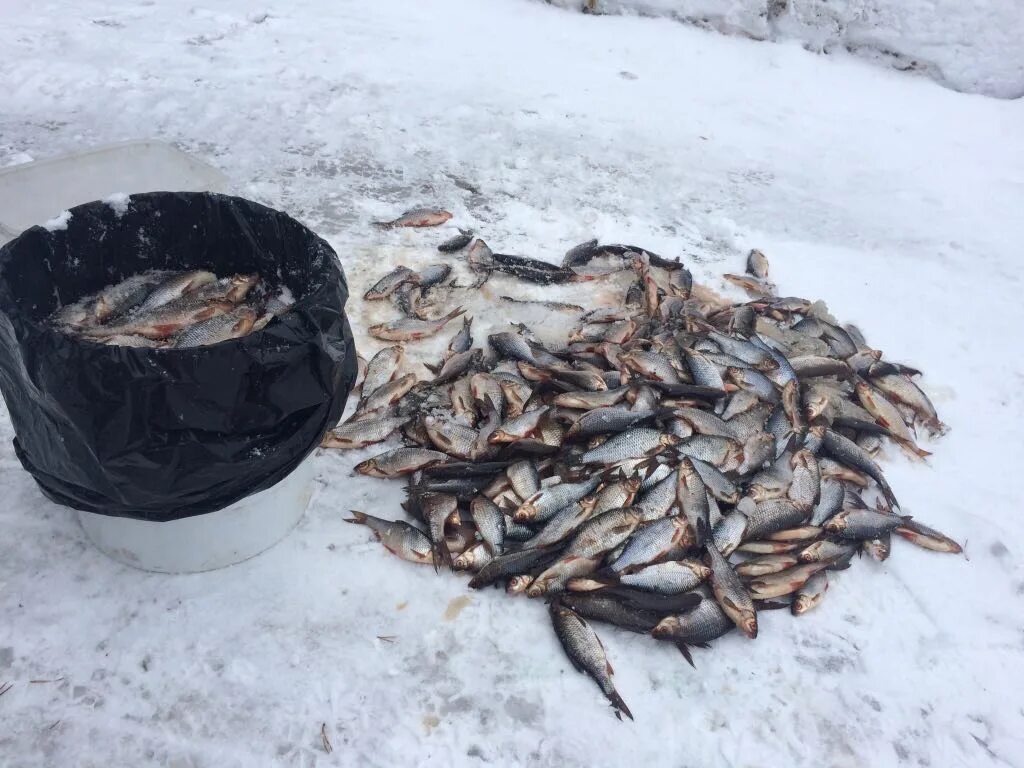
[[162, 434]]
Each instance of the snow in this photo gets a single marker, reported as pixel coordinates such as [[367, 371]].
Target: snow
[[119, 201], [973, 47], [892, 198], [58, 222]]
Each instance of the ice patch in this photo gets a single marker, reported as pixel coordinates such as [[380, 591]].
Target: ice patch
[[58, 222], [119, 202]]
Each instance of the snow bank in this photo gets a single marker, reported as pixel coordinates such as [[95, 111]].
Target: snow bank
[[973, 47]]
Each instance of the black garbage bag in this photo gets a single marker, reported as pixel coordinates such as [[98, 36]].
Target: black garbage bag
[[162, 434]]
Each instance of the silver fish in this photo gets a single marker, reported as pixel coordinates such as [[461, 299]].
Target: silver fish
[[731, 594], [417, 217], [232, 325], [636, 442], [399, 538], [652, 543], [584, 649], [165, 320], [401, 461], [410, 328], [174, 288], [359, 434], [757, 264], [456, 242], [382, 368], [545, 503], [810, 594], [490, 522]]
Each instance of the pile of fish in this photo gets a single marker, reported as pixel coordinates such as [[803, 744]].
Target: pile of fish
[[180, 309], [680, 464]]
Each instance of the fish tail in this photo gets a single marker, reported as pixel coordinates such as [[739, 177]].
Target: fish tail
[[620, 706], [454, 313], [383, 224], [911, 448], [357, 517]]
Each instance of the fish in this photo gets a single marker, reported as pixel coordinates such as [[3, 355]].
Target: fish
[[753, 286], [164, 320], [490, 522], [653, 543], [878, 548], [825, 550], [117, 300], [729, 532], [784, 582], [587, 654], [382, 368], [862, 524], [410, 328], [432, 275], [480, 259], [607, 607], [398, 537], [519, 427], [456, 242], [457, 365], [401, 461], [612, 418], [388, 394], [390, 283], [730, 593], [636, 442], [581, 254], [125, 340], [901, 389], [472, 559], [805, 488], [359, 434], [546, 502], [698, 627], [436, 509], [848, 452], [927, 538], [174, 288], [560, 527], [887, 416], [763, 565], [810, 366], [757, 264], [510, 565], [417, 217], [462, 341], [830, 500], [771, 516], [666, 578], [810, 594], [616, 471], [692, 498], [232, 325]]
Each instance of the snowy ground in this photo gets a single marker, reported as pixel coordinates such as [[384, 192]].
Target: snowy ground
[[972, 47], [897, 201]]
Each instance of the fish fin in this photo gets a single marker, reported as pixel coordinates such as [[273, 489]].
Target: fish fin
[[620, 706], [683, 649], [912, 449]]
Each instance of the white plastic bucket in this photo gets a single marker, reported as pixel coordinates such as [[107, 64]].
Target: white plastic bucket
[[210, 541]]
